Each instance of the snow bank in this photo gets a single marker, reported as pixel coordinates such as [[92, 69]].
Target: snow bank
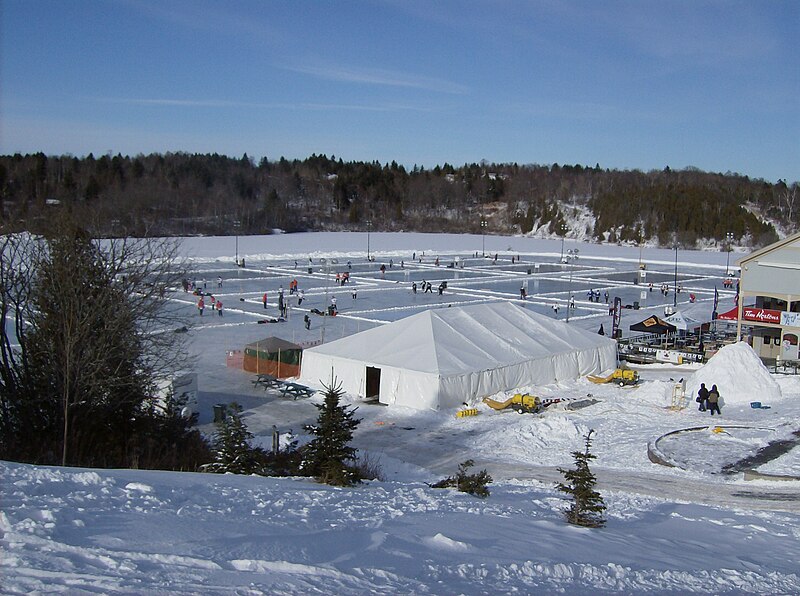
[[739, 375]]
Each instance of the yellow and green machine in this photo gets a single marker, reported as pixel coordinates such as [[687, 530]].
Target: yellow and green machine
[[621, 376]]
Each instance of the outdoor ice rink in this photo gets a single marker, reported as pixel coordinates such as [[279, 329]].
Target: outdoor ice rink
[[271, 262]]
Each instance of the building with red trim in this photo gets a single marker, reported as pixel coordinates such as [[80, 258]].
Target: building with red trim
[[769, 299]]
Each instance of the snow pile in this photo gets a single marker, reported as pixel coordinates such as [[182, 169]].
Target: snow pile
[[540, 440], [739, 375]]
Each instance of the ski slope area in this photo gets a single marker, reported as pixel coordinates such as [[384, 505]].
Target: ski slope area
[[670, 530]]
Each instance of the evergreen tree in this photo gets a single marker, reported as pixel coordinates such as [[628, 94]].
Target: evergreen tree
[[473, 484], [328, 457], [587, 504], [232, 450]]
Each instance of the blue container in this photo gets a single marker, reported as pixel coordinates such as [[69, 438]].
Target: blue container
[[756, 405]]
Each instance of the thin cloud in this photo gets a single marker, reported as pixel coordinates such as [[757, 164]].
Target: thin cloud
[[379, 76], [223, 104]]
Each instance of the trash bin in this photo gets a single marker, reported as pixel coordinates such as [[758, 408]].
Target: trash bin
[[635, 305], [219, 412], [310, 271], [529, 271]]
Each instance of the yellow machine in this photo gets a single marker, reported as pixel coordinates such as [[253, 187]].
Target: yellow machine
[[621, 376], [528, 404], [467, 412]]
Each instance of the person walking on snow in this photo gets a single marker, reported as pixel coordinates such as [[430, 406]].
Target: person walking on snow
[[201, 304], [713, 400], [702, 397]]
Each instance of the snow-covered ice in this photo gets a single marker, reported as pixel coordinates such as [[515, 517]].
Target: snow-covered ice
[[670, 530]]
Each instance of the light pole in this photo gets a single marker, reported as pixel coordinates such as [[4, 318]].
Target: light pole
[[641, 239], [484, 225], [236, 225], [327, 263], [563, 230], [728, 241], [675, 286], [369, 225], [572, 255]]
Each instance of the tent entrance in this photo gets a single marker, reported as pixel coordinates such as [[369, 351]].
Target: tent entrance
[[373, 382]]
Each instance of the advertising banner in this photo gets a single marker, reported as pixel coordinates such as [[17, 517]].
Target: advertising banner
[[617, 316], [761, 315]]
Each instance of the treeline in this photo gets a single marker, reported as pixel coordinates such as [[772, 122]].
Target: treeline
[[186, 194]]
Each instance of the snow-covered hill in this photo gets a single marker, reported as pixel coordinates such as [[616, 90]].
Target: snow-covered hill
[[669, 530]]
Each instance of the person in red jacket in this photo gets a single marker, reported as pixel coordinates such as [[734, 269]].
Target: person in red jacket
[[219, 307], [201, 304], [265, 301]]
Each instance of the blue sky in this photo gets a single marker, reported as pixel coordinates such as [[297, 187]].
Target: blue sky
[[638, 84]]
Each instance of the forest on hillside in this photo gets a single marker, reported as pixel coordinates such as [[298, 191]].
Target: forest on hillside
[[178, 194]]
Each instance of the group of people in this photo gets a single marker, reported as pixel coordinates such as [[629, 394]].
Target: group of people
[[594, 295], [216, 305], [708, 400], [425, 287]]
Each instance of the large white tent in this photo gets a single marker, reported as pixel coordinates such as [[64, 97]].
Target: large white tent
[[443, 357]]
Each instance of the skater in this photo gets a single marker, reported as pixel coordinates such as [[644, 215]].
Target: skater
[[219, 281], [201, 304], [414, 287], [219, 307], [185, 284], [702, 397], [264, 300], [300, 295], [354, 292], [555, 310], [522, 293], [442, 286], [572, 302], [605, 295], [713, 400], [307, 321]]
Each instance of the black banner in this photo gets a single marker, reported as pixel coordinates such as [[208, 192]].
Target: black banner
[[617, 317]]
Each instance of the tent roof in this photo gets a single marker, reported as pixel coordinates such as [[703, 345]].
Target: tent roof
[[271, 344], [653, 325], [729, 315], [449, 341], [682, 321]]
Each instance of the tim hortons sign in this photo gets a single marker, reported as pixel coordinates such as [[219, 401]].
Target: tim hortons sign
[[762, 315]]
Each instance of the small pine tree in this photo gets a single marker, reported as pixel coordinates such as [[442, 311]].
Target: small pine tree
[[473, 484], [232, 450], [328, 457], [587, 504]]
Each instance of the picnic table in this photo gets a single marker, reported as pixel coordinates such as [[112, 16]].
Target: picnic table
[[267, 381], [296, 390]]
